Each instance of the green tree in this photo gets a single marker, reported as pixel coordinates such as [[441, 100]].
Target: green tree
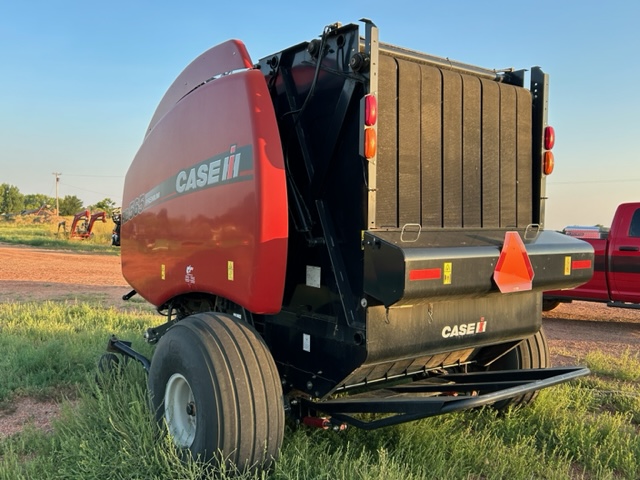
[[37, 200], [106, 205], [11, 200], [70, 205]]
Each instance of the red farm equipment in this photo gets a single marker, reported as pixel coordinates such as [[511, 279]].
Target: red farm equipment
[[82, 225], [342, 217]]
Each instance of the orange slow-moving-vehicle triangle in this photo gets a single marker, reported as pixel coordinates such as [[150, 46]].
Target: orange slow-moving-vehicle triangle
[[513, 272]]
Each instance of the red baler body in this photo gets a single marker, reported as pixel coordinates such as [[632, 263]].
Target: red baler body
[[205, 197]]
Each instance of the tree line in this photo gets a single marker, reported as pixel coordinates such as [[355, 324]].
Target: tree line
[[13, 202]]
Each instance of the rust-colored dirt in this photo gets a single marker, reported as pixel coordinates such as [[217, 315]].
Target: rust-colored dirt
[[31, 274]]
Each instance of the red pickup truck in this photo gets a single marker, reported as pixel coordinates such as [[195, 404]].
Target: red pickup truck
[[616, 277]]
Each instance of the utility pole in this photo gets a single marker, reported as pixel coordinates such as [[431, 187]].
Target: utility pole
[[57, 175]]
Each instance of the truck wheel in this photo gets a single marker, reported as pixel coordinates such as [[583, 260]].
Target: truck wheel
[[532, 352], [215, 387], [549, 304]]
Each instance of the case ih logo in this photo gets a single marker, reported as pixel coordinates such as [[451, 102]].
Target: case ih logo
[[209, 173], [465, 329], [224, 168]]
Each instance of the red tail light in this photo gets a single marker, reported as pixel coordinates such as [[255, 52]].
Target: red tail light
[[549, 138], [370, 110]]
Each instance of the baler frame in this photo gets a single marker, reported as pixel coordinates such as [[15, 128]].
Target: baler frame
[[362, 300]]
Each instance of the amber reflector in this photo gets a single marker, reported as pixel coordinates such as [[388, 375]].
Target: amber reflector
[[370, 142], [548, 163]]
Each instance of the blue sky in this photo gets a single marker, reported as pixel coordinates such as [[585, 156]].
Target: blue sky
[[79, 81]]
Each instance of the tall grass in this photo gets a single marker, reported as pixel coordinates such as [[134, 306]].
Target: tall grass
[[573, 430], [51, 346]]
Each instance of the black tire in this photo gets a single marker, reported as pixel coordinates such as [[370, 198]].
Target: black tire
[[532, 352], [109, 366], [549, 304], [108, 363], [225, 390]]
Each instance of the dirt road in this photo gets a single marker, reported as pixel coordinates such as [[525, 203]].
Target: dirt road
[[577, 328], [31, 274]]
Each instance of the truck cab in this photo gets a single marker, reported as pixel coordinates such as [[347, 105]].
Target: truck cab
[[616, 276]]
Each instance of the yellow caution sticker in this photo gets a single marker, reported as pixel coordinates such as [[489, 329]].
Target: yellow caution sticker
[[447, 273], [230, 270], [162, 272], [567, 265]]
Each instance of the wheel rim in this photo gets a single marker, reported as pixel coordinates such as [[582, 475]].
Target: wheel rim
[[180, 411]]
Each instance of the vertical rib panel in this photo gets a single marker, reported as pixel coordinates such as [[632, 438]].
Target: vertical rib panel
[[507, 156], [524, 148], [452, 149], [409, 142], [431, 147], [490, 154], [387, 160], [471, 145]]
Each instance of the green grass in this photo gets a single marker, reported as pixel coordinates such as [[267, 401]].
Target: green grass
[[587, 429], [624, 367], [44, 235], [51, 346]]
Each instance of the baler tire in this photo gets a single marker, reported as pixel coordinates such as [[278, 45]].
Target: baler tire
[[532, 352], [223, 372]]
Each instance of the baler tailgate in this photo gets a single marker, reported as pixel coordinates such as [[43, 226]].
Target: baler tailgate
[[443, 394]]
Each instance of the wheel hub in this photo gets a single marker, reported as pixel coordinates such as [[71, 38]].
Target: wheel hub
[[180, 411]]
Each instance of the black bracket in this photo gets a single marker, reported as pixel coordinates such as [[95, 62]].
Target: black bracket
[[129, 295], [124, 348]]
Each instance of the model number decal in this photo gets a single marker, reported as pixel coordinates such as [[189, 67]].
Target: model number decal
[[465, 329]]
